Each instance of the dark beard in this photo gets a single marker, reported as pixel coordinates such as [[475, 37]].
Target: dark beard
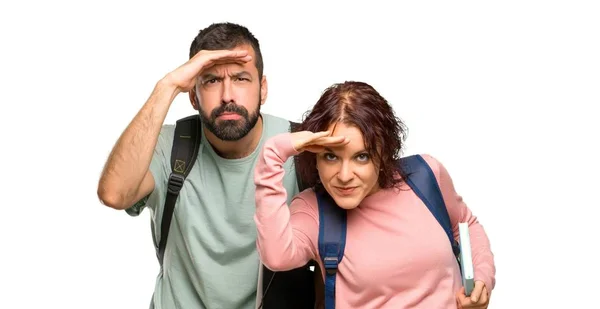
[[230, 130]]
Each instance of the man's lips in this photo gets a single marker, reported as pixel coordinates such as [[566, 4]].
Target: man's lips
[[229, 116]]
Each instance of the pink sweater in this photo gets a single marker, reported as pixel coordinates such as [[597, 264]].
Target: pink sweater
[[396, 256]]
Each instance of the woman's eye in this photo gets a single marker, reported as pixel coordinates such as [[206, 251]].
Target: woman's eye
[[329, 157], [363, 157]]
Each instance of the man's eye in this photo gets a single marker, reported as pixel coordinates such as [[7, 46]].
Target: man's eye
[[210, 81]]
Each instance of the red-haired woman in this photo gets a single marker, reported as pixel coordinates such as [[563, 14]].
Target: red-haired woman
[[396, 254]]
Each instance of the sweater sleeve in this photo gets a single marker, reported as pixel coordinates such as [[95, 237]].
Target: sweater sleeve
[[483, 258], [286, 236]]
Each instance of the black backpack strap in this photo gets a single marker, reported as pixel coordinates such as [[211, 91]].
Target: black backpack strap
[[184, 153]]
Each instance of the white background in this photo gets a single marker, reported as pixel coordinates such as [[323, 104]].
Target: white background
[[501, 92]]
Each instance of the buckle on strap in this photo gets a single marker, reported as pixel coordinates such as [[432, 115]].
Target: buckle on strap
[[331, 265], [175, 183]]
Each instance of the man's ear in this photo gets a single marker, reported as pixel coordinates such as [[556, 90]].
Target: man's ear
[[264, 89], [194, 98]]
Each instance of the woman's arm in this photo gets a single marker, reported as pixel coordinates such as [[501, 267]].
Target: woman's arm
[[483, 258], [286, 236]]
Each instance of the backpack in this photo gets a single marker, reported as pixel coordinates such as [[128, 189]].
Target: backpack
[[294, 289], [332, 219]]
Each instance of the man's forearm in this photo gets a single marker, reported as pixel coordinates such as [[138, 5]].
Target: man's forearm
[[130, 158]]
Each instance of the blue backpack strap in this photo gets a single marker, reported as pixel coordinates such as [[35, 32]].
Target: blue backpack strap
[[423, 182], [332, 241]]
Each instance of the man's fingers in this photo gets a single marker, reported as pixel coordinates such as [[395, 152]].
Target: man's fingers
[[211, 63], [227, 60], [225, 56], [218, 54], [206, 59], [476, 294]]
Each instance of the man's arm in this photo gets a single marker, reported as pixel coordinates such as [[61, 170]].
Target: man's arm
[[126, 177]]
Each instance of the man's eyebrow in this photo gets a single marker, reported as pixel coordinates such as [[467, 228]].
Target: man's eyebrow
[[208, 76], [241, 74]]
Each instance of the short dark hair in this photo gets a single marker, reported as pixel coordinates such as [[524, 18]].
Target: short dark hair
[[227, 36], [360, 105]]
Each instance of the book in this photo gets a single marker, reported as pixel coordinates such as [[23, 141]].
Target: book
[[466, 260]]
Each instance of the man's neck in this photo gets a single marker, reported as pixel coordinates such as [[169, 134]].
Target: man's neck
[[236, 149]]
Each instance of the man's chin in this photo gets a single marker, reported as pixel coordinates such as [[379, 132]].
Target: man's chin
[[230, 125], [230, 132], [225, 123]]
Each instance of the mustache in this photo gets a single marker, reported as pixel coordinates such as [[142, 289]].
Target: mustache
[[229, 108]]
